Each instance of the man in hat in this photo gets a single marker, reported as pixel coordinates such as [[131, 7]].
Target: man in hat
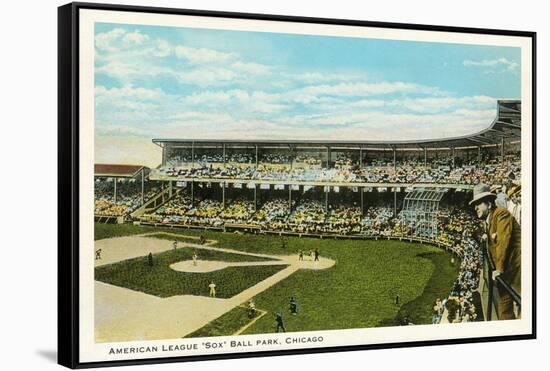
[[514, 205], [279, 320], [212, 288], [503, 245]]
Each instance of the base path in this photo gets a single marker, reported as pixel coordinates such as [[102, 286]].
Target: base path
[[122, 314]]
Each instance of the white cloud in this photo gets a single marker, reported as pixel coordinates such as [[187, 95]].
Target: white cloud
[[105, 40], [128, 92], [162, 48], [237, 98], [493, 65], [251, 68], [206, 76], [317, 77], [135, 38], [369, 89], [213, 98], [203, 55]]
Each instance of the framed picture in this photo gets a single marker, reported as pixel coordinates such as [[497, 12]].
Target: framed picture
[[240, 185]]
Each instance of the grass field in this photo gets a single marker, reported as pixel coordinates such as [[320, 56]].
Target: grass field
[[359, 291]]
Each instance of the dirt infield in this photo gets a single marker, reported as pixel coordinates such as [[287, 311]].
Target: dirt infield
[[204, 266], [124, 315]]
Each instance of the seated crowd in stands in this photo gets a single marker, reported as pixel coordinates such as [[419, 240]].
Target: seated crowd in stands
[[344, 169], [128, 196]]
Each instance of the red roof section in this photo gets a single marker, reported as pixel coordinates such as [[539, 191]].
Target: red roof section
[[116, 170]]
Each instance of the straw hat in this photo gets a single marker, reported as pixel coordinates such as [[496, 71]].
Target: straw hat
[[515, 189], [481, 191]]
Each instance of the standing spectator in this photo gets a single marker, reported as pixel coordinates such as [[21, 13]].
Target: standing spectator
[[150, 259], [279, 320], [251, 309], [514, 206], [316, 253], [301, 256], [98, 254], [503, 246], [212, 288], [195, 258], [175, 244], [501, 199], [293, 306], [437, 311]]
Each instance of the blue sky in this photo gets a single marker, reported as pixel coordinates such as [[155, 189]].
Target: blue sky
[[195, 83]]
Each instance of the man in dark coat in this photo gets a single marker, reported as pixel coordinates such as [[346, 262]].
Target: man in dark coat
[[503, 235], [279, 320], [293, 306]]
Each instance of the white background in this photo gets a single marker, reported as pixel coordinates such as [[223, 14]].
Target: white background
[[28, 186]]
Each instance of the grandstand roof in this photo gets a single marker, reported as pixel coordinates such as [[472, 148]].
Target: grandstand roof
[[117, 171], [506, 125]]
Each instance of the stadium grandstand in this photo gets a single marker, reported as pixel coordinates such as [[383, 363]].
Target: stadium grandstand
[[415, 190], [120, 190]]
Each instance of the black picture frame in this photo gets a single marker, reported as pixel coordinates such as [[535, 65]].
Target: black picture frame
[[69, 167]]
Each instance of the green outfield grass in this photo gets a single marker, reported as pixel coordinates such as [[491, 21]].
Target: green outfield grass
[[359, 291], [228, 324], [161, 280]]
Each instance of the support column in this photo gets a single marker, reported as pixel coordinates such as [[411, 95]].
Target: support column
[[115, 191], [502, 150], [394, 161], [453, 154], [289, 198], [255, 197], [224, 155], [394, 203], [256, 156], [142, 186], [162, 191], [362, 191], [223, 194], [192, 154], [163, 156], [425, 157], [360, 158], [326, 198], [479, 156], [192, 193], [170, 189], [328, 157]]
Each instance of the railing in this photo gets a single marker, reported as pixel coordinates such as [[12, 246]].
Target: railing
[[489, 291], [148, 220], [154, 202], [158, 176]]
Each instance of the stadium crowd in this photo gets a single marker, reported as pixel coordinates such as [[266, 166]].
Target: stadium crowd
[[128, 196], [308, 168]]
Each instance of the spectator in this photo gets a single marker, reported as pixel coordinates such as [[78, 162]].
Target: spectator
[[503, 245]]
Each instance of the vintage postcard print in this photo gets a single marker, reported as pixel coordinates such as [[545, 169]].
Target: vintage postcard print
[[257, 185]]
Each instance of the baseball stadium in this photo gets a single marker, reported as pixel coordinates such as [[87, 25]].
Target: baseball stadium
[[235, 237]]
